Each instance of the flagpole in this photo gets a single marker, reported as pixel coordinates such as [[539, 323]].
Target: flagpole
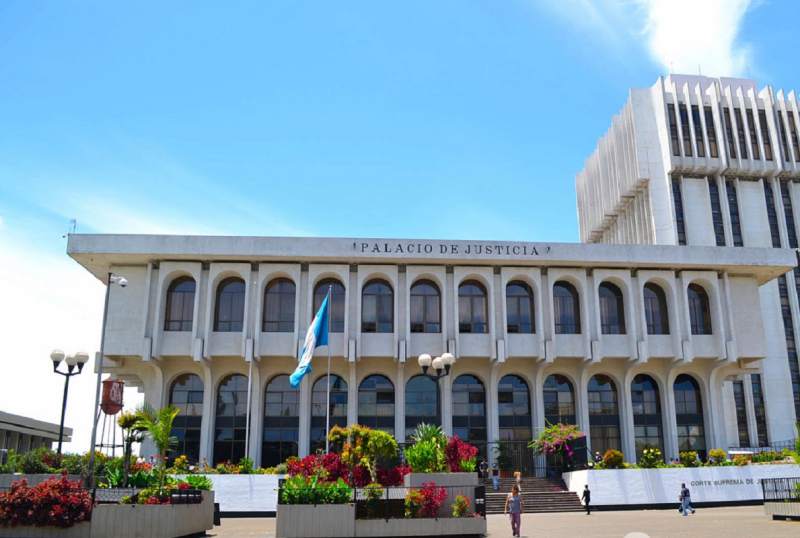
[[249, 403], [328, 406]]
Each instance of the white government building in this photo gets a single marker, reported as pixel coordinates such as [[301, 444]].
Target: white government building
[[653, 344]]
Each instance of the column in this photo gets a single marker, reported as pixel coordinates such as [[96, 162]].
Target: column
[[492, 412], [670, 421], [304, 424], [207, 421], [627, 428], [352, 394], [582, 397], [400, 403], [752, 425], [256, 416], [717, 414], [445, 386], [153, 396]]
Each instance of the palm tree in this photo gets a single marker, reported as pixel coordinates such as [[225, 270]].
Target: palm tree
[[158, 425], [131, 433]]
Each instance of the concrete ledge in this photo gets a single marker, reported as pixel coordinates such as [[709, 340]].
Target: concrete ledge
[[316, 521], [80, 530], [783, 510]]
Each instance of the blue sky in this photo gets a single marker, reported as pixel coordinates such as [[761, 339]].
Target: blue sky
[[457, 119]]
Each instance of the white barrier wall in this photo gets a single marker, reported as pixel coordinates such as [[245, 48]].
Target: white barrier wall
[[661, 486], [246, 492]]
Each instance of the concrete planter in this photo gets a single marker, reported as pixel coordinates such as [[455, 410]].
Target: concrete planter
[[315, 521], [80, 530], [782, 510], [461, 526], [456, 484]]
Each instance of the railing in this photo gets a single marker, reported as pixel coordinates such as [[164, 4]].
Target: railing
[[781, 489], [772, 447], [389, 502]]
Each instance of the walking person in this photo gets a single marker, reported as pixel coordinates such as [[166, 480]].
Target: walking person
[[495, 477], [514, 508], [483, 470], [586, 498], [686, 500]]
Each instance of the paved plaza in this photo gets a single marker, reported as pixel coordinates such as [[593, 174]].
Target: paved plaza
[[748, 521]]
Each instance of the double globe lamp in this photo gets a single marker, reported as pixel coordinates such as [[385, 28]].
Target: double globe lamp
[[72, 361], [441, 365]]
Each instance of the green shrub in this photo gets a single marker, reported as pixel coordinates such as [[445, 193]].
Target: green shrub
[[741, 459], [426, 456], [689, 458], [10, 466], [199, 481], [651, 458], [246, 466], [37, 461], [613, 459], [299, 489], [716, 456], [281, 468], [460, 508]]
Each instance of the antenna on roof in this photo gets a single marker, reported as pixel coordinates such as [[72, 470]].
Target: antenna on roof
[[73, 225], [699, 70]]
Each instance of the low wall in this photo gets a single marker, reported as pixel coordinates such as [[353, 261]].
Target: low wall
[[783, 510], [79, 530], [642, 487], [315, 521], [456, 483], [246, 493]]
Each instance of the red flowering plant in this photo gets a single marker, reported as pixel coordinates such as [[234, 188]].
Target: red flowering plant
[[425, 501], [461, 456], [56, 502], [393, 476], [327, 467], [556, 439]]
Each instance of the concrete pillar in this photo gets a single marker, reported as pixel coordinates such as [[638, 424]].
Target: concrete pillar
[[153, 396], [582, 398], [207, 421], [445, 385], [400, 403], [716, 413], [492, 412], [752, 425], [627, 429], [669, 420], [352, 394], [304, 424], [256, 416]]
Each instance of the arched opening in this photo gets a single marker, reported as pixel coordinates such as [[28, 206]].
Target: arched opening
[[655, 309], [469, 411], [559, 400], [229, 307], [377, 307], [612, 309], [376, 403], [338, 408], [472, 309], [603, 414], [422, 402], [514, 409], [699, 310], [566, 308], [179, 312], [231, 419], [186, 393], [689, 415], [279, 297], [281, 421], [337, 302], [519, 308], [646, 407], [426, 309]]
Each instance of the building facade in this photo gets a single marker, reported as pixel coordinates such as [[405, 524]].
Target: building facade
[[23, 434], [705, 161], [633, 343]]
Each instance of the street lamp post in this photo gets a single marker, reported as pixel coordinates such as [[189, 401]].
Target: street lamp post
[[441, 365], [72, 361]]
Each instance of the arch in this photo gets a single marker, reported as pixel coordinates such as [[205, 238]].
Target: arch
[[281, 421], [559, 400], [377, 307], [423, 402], [179, 311], [376, 403], [656, 311], [230, 421], [604, 425], [279, 299], [519, 308], [229, 305], [689, 415], [426, 307], [646, 410], [612, 309], [186, 393], [472, 308], [338, 409], [566, 308], [699, 309], [337, 302], [514, 408], [469, 410]]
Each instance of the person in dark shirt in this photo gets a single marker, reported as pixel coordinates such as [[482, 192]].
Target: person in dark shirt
[[685, 498], [586, 498]]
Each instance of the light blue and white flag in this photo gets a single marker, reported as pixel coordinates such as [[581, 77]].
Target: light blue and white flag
[[316, 336]]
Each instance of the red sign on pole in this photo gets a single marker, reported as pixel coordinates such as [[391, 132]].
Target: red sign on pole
[[112, 396]]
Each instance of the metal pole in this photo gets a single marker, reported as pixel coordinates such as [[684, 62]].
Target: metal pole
[[328, 406], [90, 478], [247, 416], [63, 412]]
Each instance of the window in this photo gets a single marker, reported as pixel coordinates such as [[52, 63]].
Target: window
[[603, 414], [791, 343], [612, 309], [377, 307], [673, 130], [279, 306], [180, 305], [559, 400], [762, 120], [422, 402], [729, 133], [741, 413], [698, 131], [472, 307], [519, 308], [782, 134], [426, 309], [716, 212], [281, 421], [337, 302], [231, 420], [699, 311], [338, 409], [469, 411], [655, 309], [229, 312], [514, 409], [733, 210], [186, 394], [712, 132], [740, 131], [566, 308], [689, 415], [646, 406], [793, 131], [751, 128], [772, 214], [677, 201], [687, 138], [376, 403], [786, 198], [759, 409]]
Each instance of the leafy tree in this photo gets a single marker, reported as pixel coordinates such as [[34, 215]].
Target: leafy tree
[[131, 433], [158, 426]]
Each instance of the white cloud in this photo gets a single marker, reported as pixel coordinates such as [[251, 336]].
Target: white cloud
[[686, 35]]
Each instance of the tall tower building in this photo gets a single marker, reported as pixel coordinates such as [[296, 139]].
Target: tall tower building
[[695, 160]]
